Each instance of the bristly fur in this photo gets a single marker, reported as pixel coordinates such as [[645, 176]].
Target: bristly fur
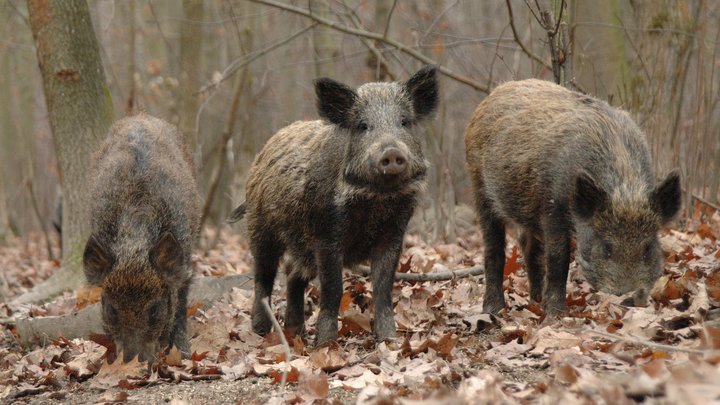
[[317, 192], [558, 163], [145, 215]]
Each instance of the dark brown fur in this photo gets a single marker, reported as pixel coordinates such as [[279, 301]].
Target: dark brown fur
[[144, 212], [558, 163], [336, 192]]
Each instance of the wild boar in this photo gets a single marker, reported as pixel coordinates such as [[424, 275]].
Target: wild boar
[[558, 163], [145, 216], [338, 191]]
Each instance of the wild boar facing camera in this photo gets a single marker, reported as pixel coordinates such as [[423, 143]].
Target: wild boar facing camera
[[557, 163], [338, 191], [144, 213]]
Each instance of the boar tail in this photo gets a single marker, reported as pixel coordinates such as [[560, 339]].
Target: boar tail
[[237, 214]]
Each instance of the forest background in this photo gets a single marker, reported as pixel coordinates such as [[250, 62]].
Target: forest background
[[230, 73]]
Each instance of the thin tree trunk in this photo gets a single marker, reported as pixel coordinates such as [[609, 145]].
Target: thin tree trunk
[[323, 44], [5, 232], [130, 104], [190, 51], [80, 112]]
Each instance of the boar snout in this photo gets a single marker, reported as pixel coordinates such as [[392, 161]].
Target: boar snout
[[392, 162]]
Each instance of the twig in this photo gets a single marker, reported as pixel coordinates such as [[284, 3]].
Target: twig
[[642, 342], [377, 37], [522, 46], [557, 23], [435, 21], [437, 276], [285, 344], [237, 64], [387, 22], [382, 62]]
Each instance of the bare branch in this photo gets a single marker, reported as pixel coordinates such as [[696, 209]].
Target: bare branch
[[387, 23], [557, 23], [382, 61], [527, 51], [237, 64], [647, 343], [437, 276], [377, 37]]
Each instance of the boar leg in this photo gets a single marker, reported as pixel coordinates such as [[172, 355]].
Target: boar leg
[[267, 257], [179, 334], [557, 248], [384, 259], [295, 309], [532, 248], [329, 263], [493, 230]]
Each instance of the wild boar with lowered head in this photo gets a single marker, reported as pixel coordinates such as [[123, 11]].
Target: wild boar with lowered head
[[145, 215], [558, 163], [338, 191]]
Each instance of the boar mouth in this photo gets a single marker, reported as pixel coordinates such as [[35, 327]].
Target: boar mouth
[[385, 184]]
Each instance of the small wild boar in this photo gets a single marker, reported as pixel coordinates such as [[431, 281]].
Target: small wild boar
[[557, 163], [338, 191], [145, 216]]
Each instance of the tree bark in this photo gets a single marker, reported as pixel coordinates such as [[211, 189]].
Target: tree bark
[[190, 51], [80, 112]]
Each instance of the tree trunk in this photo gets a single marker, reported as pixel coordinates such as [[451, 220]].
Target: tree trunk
[[190, 65], [130, 103], [323, 44], [5, 232], [80, 112]]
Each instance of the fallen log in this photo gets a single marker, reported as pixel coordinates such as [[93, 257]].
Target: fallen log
[[87, 321], [435, 276]]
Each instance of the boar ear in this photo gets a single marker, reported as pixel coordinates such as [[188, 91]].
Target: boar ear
[[334, 101], [667, 197], [423, 89], [588, 198], [166, 255], [97, 261]]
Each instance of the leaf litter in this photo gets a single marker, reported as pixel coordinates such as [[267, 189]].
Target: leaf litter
[[446, 350]]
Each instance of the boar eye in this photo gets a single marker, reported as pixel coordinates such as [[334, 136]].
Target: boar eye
[[405, 122], [607, 249], [361, 126]]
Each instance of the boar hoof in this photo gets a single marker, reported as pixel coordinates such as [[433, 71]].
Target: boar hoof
[[535, 293], [493, 306], [555, 308], [385, 331], [183, 345], [261, 324]]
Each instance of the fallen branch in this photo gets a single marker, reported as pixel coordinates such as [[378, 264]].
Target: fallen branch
[[377, 37], [647, 343], [437, 276], [716, 207], [284, 342], [204, 290]]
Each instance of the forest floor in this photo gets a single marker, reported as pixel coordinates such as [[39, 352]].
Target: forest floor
[[447, 350]]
